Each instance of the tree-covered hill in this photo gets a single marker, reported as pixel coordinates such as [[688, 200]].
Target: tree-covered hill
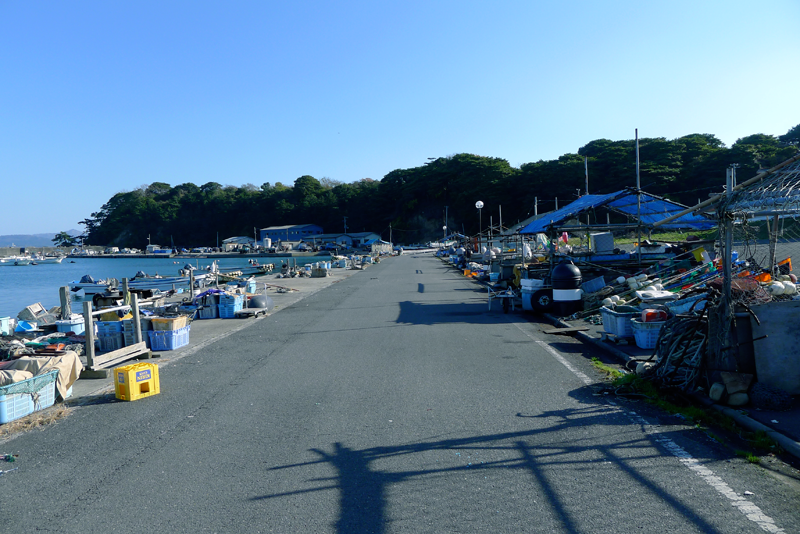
[[413, 202]]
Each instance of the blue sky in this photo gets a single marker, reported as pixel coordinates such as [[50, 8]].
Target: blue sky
[[102, 97]]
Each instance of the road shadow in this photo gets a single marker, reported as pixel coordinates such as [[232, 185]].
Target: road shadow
[[416, 313], [542, 453]]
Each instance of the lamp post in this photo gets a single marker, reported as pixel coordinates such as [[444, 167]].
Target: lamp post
[[479, 205], [444, 236]]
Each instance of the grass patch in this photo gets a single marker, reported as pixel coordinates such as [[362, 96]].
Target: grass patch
[[750, 457], [35, 420], [704, 419], [607, 370]]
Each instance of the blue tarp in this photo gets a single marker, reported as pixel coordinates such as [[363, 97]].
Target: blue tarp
[[653, 209]]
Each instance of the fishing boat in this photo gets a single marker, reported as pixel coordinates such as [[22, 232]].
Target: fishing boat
[[15, 260], [141, 281], [43, 259]]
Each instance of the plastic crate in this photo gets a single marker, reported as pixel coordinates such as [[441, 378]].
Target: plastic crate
[[229, 305], [168, 323], [208, 312], [130, 339], [110, 341], [617, 323], [593, 286], [108, 327], [23, 398], [136, 381], [169, 339], [646, 334], [228, 299], [5, 326]]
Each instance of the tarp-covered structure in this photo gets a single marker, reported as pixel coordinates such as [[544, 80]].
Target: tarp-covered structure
[[648, 208]]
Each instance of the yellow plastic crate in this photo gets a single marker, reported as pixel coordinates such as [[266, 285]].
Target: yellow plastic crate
[[168, 323], [136, 381]]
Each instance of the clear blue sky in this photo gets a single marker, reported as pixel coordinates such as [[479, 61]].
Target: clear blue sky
[[99, 97]]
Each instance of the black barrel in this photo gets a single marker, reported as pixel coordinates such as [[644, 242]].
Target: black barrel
[[566, 279]]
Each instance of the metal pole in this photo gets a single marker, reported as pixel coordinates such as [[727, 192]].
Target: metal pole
[[638, 201], [586, 169]]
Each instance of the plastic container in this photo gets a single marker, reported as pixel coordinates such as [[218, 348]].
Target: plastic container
[[208, 312], [23, 398], [108, 327], [494, 277], [161, 340], [593, 286], [5, 326], [650, 315], [646, 334], [76, 326], [110, 341], [137, 381], [617, 323]]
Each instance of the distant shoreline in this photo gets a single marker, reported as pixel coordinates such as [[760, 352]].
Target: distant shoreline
[[205, 255]]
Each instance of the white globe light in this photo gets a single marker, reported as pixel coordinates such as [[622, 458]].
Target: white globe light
[[444, 227], [479, 204]]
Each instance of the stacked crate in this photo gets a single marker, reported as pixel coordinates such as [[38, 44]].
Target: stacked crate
[[229, 305], [109, 335], [169, 333], [129, 335]]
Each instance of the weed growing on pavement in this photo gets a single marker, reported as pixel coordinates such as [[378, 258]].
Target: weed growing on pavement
[[750, 457]]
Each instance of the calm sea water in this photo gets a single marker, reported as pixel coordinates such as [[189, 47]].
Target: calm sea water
[[21, 286]]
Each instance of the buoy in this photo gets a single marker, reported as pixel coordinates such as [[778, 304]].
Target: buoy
[[775, 288]]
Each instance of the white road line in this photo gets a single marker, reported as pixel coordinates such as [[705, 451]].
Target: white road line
[[750, 510]]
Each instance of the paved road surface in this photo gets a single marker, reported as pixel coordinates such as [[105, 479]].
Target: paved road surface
[[390, 402]]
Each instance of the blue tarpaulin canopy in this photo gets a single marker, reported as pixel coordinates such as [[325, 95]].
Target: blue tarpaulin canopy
[[653, 209]]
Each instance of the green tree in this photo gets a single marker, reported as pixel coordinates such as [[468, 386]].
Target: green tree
[[63, 239]]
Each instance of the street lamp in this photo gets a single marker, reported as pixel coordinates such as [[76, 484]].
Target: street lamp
[[444, 237], [479, 205]]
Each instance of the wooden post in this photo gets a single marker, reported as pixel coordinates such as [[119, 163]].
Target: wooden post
[[137, 325], [88, 322], [66, 308], [191, 283]]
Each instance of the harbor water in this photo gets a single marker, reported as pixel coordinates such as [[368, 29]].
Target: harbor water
[[21, 286]]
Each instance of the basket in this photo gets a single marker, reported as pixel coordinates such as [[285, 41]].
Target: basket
[[617, 323], [23, 398], [646, 334], [161, 340]]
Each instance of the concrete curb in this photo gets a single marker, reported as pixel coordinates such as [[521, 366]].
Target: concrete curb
[[788, 444]]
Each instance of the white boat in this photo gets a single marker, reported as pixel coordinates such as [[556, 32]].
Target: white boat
[[15, 260], [40, 259]]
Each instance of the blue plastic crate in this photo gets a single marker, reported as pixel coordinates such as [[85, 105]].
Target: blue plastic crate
[[109, 341], [161, 340], [228, 299], [109, 327], [23, 398]]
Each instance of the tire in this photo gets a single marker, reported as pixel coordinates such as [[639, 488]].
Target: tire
[[542, 300], [506, 305]]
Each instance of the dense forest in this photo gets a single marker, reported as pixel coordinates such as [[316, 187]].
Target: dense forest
[[413, 202]]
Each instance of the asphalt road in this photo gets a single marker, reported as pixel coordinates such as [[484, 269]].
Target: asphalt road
[[390, 402]]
